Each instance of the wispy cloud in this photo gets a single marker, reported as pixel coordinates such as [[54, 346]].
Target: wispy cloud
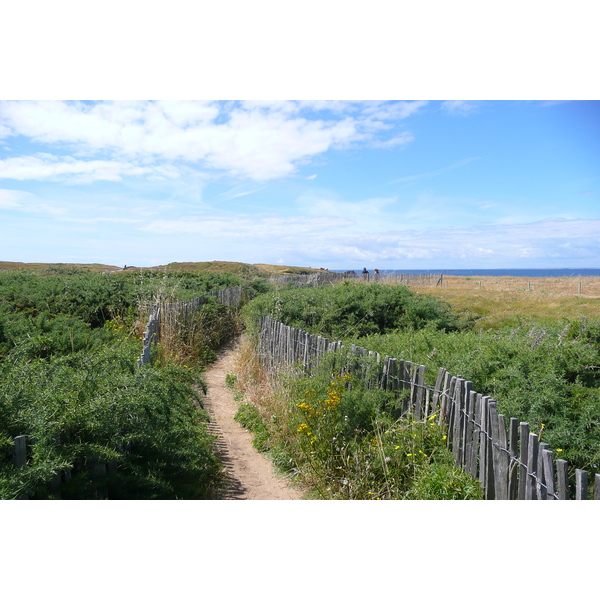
[[458, 107], [483, 246], [400, 140], [44, 166], [236, 192], [359, 212], [435, 173], [27, 202], [247, 226]]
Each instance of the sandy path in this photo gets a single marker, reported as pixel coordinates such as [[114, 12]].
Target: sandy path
[[250, 475]]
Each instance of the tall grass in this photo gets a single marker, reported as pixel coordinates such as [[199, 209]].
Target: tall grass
[[344, 441]]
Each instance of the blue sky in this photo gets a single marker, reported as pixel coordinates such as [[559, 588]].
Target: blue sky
[[334, 184]]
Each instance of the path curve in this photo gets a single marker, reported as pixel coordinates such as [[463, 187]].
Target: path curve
[[249, 475]]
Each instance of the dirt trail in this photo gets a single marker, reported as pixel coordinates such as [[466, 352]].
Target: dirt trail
[[250, 475]]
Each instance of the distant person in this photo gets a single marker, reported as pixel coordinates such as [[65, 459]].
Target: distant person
[[365, 274], [376, 277]]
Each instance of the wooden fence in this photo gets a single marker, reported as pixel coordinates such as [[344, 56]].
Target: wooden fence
[[312, 279], [409, 278], [508, 459], [167, 316], [325, 277]]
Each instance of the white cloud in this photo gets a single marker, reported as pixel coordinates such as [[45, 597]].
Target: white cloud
[[488, 246], [435, 173], [358, 212], [248, 226], [10, 199], [255, 140], [461, 107], [45, 166], [385, 111], [26, 202], [400, 140]]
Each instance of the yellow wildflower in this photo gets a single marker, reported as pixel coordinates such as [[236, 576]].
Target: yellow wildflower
[[304, 429]]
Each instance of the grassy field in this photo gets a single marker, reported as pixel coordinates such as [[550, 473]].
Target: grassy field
[[501, 301]]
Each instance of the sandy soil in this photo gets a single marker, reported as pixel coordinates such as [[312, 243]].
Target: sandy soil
[[250, 475]]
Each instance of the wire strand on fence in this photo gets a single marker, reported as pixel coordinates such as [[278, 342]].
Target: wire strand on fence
[[445, 396]]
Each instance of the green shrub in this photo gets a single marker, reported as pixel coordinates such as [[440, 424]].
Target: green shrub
[[546, 375], [83, 409], [353, 309]]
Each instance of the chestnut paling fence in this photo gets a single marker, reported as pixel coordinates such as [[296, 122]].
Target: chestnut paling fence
[[167, 316], [508, 459], [325, 277]]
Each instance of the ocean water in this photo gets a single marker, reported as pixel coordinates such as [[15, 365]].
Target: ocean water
[[491, 272]]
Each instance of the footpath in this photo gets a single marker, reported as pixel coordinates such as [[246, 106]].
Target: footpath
[[250, 475]]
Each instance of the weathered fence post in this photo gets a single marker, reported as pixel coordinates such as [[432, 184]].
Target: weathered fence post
[[513, 476], [20, 457], [20, 452], [547, 459], [581, 484], [540, 486], [419, 384], [474, 438], [562, 479], [510, 463], [502, 458], [524, 445], [532, 467], [467, 418], [439, 382]]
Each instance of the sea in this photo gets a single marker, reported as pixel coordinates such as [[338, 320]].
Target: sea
[[489, 272]]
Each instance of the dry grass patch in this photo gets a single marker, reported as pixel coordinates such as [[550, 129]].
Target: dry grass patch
[[501, 301]]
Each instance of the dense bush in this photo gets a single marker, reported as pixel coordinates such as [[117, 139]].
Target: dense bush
[[93, 297], [354, 309], [86, 408], [68, 382], [546, 375], [100, 297]]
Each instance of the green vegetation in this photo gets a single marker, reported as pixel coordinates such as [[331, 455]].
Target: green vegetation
[[83, 409], [345, 441], [69, 341], [544, 371], [70, 338], [547, 375], [355, 309]]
